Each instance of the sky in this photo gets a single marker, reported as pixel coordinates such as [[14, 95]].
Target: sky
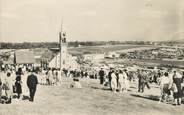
[[91, 20]]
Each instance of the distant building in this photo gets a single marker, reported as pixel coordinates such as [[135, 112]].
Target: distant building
[[24, 57], [93, 57], [111, 55], [63, 59], [66, 62]]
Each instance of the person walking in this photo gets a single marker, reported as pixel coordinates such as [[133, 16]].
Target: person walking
[[32, 82], [140, 81], [165, 86], [48, 77], [145, 80], [123, 82], [101, 74], [18, 83], [177, 80], [58, 77], [109, 77], [113, 81], [25, 90], [8, 88]]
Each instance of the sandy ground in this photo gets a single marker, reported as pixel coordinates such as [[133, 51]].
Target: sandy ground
[[92, 99]]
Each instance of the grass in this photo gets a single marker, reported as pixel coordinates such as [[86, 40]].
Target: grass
[[102, 49], [155, 63], [92, 99]]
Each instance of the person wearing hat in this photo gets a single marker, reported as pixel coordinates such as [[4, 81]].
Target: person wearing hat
[[109, 77], [101, 74], [18, 82], [32, 82]]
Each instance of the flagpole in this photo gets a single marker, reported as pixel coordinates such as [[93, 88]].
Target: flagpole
[[60, 43]]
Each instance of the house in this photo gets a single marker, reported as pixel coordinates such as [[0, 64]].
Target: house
[[24, 57]]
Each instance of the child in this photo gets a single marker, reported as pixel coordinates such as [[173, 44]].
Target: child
[[76, 84]]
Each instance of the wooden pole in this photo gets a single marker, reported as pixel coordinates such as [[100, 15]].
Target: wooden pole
[[60, 43]]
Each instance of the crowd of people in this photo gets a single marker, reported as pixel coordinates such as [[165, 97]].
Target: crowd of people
[[115, 79], [19, 82], [169, 81], [171, 85], [22, 81]]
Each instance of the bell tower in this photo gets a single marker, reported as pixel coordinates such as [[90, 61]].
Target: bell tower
[[63, 49]]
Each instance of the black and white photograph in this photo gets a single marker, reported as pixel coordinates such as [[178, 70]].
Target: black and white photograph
[[91, 57]]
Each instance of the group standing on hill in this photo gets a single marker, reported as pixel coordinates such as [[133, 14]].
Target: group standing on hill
[[12, 82], [23, 81], [170, 82]]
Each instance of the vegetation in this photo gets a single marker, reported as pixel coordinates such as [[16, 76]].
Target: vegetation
[[28, 45]]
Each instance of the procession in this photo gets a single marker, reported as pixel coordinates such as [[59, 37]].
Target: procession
[[23, 82]]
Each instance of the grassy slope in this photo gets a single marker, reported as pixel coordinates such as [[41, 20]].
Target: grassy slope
[[91, 99]]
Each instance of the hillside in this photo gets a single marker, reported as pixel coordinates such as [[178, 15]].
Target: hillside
[[91, 99]]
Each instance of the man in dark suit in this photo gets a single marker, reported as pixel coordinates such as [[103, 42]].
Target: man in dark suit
[[101, 74], [140, 81], [32, 82]]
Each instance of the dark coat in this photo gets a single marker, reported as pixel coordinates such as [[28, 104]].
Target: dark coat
[[18, 84], [140, 77], [32, 81], [101, 73]]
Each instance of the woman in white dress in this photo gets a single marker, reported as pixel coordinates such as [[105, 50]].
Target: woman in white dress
[[25, 90], [8, 87], [43, 77], [113, 81], [123, 82]]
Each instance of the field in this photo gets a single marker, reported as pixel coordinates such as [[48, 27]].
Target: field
[[92, 99], [153, 63], [102, 49]]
